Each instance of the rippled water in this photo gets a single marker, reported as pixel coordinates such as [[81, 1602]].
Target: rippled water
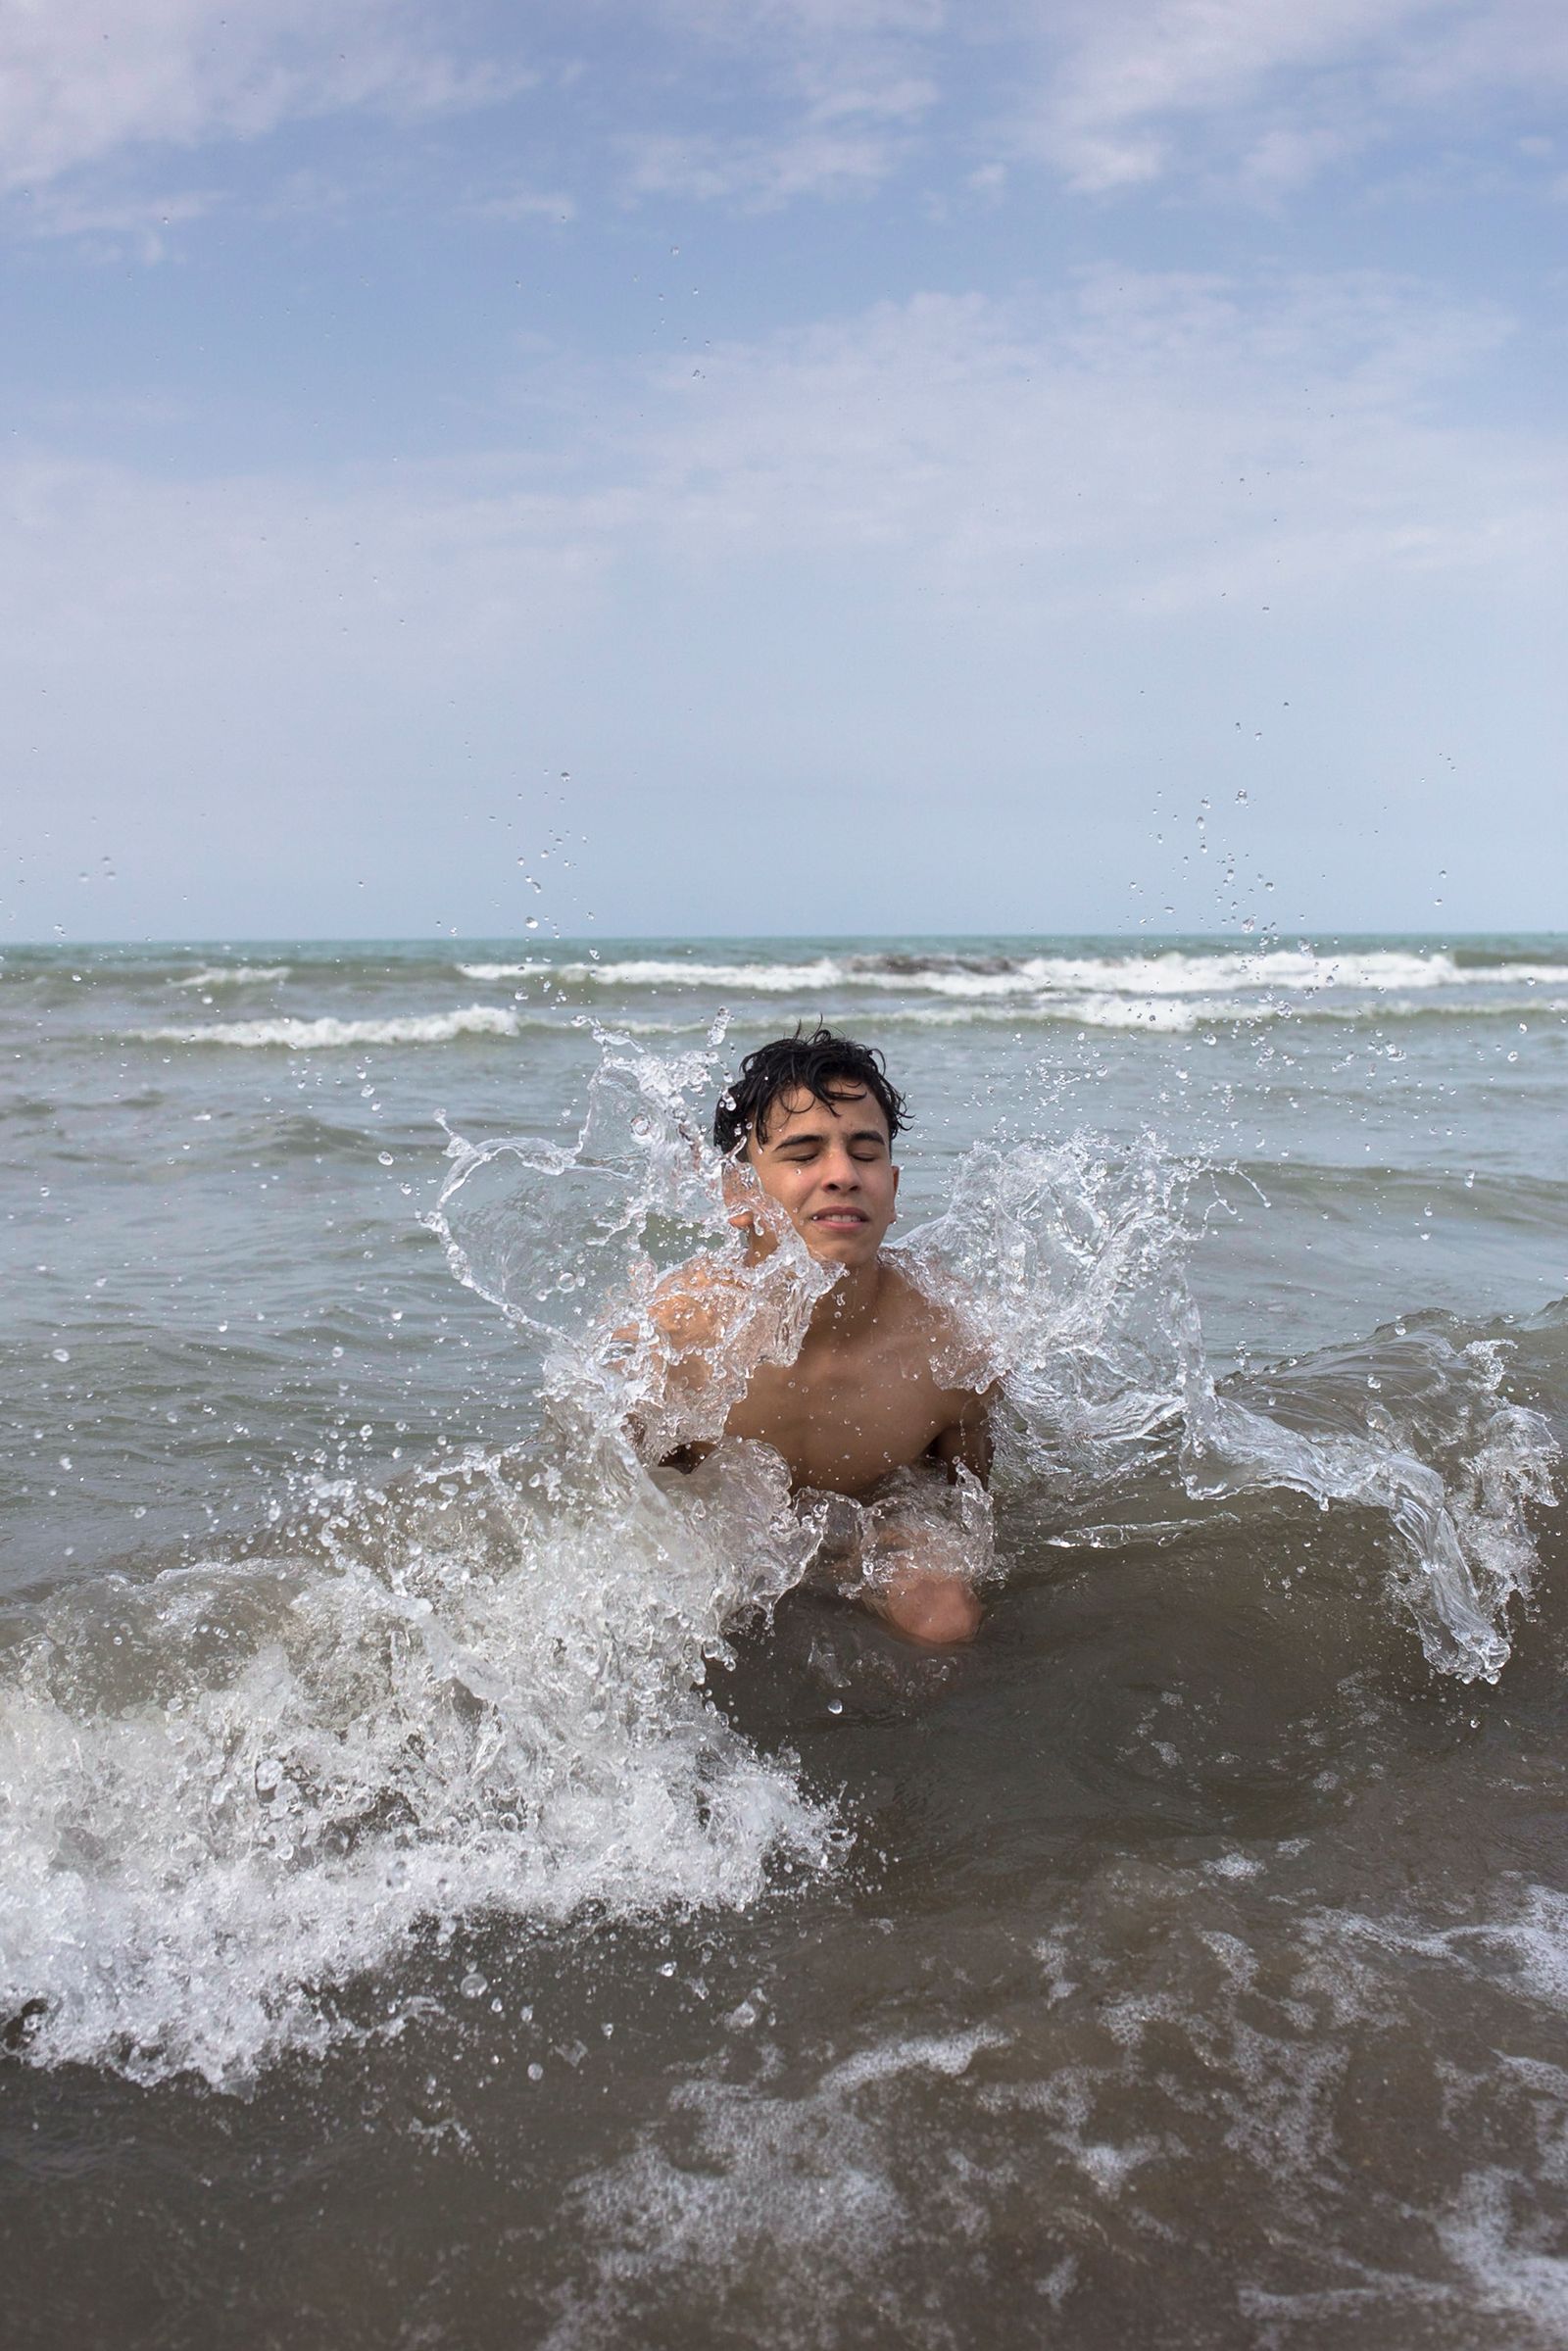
[[456, 1889]]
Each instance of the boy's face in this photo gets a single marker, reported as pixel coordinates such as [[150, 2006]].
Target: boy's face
[[829, 1166]]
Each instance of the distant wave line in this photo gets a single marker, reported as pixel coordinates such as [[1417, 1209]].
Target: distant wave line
[[1180, 1015], [1170, 975], [234, 976], [301, 1035], [1094, 1009]]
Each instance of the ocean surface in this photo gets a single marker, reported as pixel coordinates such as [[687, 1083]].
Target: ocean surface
[[459, 1887]]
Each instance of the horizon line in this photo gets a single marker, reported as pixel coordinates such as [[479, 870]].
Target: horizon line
[[1276, 936]]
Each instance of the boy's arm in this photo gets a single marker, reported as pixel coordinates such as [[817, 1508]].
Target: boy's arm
[[930, 1605], [966, 1443], [670, 1352]]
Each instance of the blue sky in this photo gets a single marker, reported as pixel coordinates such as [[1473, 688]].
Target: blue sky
[[782, 464]]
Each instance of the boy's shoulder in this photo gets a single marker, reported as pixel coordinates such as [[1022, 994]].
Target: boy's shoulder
[[911, 1306], [936, 1329]]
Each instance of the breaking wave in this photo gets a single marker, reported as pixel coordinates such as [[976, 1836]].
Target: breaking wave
[[1158, 1016], [299, 1035], [239, 1785], [234, 975], [978, 978]]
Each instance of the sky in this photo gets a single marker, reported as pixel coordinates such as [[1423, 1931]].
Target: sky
[[782, 466]]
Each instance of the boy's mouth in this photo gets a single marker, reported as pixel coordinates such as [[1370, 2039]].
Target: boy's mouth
[[840, 1219]]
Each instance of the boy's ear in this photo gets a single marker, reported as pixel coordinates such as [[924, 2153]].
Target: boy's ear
[[894, 1196]]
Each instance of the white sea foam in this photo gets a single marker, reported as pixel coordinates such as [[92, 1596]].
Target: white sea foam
[[299, 1035], [1103, 1010], [1514, 2274], [797, 2192], [948, 2053], [1528, 1950], [758, 979], [234, 975], [1157, 1017], [1162, 1016], [1291, 972]]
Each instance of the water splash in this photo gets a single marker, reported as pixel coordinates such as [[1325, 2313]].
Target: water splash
[[236, 1785], [242, 1782], [1064, 1266], [233, 1786]]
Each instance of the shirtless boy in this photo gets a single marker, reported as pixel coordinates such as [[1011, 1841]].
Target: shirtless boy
[[810, 1123]]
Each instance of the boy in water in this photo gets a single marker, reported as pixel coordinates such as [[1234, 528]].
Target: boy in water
[[809, 1127]]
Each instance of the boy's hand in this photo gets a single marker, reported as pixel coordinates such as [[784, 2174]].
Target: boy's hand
[[750, 1209], [915, 1580], [936, 1610]]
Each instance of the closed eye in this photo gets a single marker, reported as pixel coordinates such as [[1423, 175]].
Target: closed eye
[[799, 1151]]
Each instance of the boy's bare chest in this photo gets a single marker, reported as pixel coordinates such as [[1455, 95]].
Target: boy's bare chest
[[842, 1428]]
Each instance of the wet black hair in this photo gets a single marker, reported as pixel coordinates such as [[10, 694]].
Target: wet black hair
[[821, 1064]]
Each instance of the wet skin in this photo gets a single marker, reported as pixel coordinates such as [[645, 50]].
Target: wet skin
[[860, 1399]]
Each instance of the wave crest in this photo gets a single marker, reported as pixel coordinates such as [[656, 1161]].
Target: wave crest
[[1170, 971], [234, 975], [299, 1035]]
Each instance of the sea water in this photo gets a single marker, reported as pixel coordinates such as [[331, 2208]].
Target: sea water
[[461, 1882]]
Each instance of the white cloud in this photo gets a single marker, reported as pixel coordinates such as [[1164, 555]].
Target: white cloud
[[761, 173], [108, 570], [1148, 444], [813, 30], [81, 79], [112, 225], [1127, 91], [787, 97], [1113, 94], [523, 204], [1129, 69], [1152, 442], [1518, 45], [944, 539], [845, 85], [762, 102]]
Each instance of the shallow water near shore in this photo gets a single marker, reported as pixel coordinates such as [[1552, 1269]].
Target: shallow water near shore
[[455, 1891]]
